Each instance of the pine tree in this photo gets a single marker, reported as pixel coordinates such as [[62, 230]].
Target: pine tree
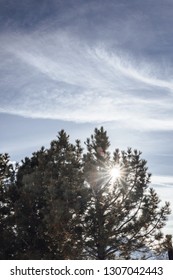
[[30, 208], [52, 200], [63, 204], [7, 197], [67, 195], [124, 214]]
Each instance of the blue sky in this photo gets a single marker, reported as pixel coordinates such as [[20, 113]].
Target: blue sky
[[81, 64]]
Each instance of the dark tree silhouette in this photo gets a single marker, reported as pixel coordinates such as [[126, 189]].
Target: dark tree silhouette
[[123, 213], [63, 203], [52, 200], [170, 253], [7, 218], [169, 246]]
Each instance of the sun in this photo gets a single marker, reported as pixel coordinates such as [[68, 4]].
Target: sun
[[115, 173]]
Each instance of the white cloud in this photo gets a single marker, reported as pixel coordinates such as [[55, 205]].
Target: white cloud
[[142, 73], [59, 77], [162, 180]]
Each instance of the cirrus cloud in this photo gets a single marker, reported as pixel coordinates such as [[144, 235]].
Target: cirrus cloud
[[57, 76]]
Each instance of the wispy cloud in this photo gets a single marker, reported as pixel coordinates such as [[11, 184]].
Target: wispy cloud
[[162, 180], [56, 75]]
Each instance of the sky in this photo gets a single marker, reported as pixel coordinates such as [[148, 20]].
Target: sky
[[77, 65]]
